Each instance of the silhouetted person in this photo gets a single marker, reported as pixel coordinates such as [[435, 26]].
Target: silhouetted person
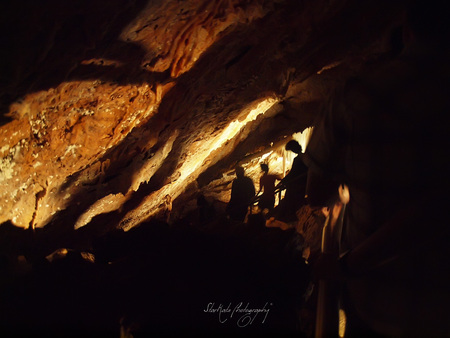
[[205, 210], [242, 194], [295, 184], [385, 136], [267, 186]]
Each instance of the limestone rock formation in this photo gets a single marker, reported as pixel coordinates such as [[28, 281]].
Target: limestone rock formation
[[116, 111]]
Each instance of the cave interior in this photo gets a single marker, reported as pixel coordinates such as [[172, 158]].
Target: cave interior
[[116, 115]]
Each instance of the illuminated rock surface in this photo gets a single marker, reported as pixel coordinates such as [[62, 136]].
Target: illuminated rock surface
[[106, 103], [114, 112]]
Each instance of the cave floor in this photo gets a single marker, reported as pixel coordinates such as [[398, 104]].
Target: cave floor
[[224, 278]]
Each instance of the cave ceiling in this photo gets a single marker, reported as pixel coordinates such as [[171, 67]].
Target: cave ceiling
[[113, 110]]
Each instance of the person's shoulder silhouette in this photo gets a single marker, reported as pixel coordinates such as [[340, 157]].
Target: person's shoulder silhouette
[[242, 193]]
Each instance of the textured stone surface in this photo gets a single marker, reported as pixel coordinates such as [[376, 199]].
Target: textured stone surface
[[115, 110]]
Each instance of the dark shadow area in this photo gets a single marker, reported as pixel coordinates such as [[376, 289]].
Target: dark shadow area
[[157, 280]]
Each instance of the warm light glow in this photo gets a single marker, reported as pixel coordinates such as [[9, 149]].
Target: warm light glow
[[189, 170], [329, 66], [208, 146], [153, 164], [113, 202], [266, 155], [106, 204], [303, 137], [278, 159], [342, 323]]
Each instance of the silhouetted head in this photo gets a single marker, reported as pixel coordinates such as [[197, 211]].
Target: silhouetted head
[[264, 167], [294, 146], [240, 172]]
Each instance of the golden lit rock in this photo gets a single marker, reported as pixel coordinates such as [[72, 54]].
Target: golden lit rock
[[122, 124], [112, 113]]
